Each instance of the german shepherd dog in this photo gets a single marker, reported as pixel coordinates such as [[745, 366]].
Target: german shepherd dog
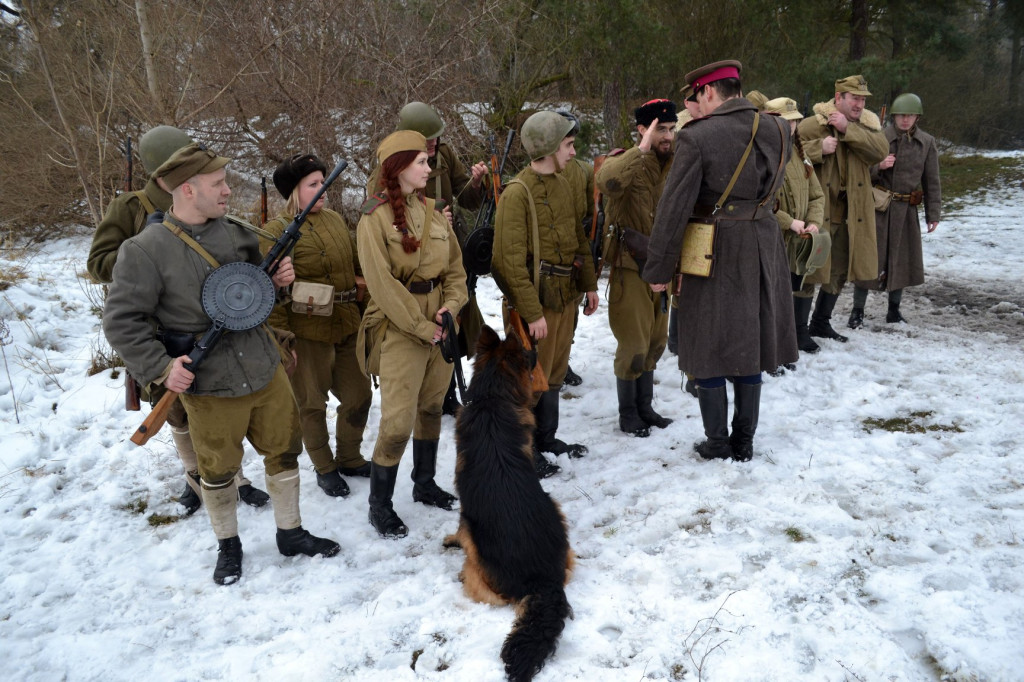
[[514, 535]]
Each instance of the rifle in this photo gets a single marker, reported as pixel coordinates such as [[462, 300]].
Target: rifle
[[885, 106], [597, 225], [263, 200], [271, 262], [128, 164]]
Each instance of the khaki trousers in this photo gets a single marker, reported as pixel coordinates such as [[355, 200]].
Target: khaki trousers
[[413, 380], [638, 323], [328, 367], [268, 419]]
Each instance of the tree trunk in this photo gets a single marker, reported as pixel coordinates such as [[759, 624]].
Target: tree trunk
[[1013, 89], [148, 58], [858, 29]]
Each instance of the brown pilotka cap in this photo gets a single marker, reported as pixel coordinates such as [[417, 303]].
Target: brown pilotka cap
[[855, 85], [715, 71], [189, 161]]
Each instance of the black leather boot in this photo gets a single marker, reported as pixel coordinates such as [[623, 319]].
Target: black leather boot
[[542, 466], [300, 541], [744, 420], [801, 311], [821, 325], [333, 484], [188, 498], [252, 496], [424, 466], [546, 413], [714, 412], [229, 561], [572, 378], [644, 399], [629, 419], [382, 514], [856, 320], [894, 315]]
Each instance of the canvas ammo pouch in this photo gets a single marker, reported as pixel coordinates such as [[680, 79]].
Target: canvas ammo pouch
[[310, 298], [882, 198]]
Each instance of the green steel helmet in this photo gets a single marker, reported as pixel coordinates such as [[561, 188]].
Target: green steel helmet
[[544, 131], [907, 103], [158, 144], [422, 118]]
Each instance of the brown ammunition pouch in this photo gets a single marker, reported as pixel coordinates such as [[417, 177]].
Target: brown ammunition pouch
[[913, 198], [176, 343], [424, 287], [635, 244], [310, 298], [349, 296]]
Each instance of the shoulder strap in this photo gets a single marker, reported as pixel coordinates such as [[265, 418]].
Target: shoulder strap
[[140, 194], [743, 162], [536, 232], [183, 236]]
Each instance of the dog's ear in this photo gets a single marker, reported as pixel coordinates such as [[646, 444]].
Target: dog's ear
[[488, 341]]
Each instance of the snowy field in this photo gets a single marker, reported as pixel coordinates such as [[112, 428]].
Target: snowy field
[[844, 551]]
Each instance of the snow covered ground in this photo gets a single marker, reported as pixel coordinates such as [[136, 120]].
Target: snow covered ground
[[844, 551]]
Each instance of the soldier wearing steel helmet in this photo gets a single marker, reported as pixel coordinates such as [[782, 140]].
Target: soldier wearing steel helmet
[[125, 218], [910, 173], [448, 182], [542, 262]]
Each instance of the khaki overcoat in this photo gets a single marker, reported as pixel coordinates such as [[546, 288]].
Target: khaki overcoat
[[845, 178], [739, 321], [125, 218], [801, 198]]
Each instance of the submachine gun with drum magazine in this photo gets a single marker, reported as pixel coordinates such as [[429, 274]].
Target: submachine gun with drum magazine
[[237, 296]]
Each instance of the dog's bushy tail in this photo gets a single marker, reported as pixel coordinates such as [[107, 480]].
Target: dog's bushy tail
[[535, 633]]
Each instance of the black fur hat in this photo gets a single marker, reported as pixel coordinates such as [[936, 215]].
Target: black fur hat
[[662, 109], [291, 171]]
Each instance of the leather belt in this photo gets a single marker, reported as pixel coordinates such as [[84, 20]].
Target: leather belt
[[346, 296], [547, 268], [749, 209], [424, 287]]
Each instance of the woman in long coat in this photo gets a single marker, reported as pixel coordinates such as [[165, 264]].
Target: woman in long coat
[[413, 268], [325, 335], [910, 173]]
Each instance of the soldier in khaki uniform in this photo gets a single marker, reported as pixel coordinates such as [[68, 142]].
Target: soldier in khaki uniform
[[843, 140], [325, 338], [912, 163], [450, 183], [241, 391], [542, 262], [125, 218], [413, 268], [632, 182]]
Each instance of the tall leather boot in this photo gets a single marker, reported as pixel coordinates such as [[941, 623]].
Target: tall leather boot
[[382, 514], [821, 325], [424, 466], [644, 398], [714, 412], [629, 419], [801, 311], [546, 413], [220, 505], [894, 315], [744, 420], [292, 538]]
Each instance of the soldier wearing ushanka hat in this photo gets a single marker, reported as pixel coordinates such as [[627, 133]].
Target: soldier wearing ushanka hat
[[843, 140], [739, 321], [632, 182]]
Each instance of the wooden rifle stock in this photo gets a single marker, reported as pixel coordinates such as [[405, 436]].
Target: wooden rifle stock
[[155, 419], [538, 375], [597, 223]]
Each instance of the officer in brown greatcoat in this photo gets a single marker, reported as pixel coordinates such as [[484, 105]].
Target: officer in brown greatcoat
[[738, 322], [542, 263], [843, 140], [632, 182], [413, 268], [241, 392], [325, 336], [125, 217], [910, 174]]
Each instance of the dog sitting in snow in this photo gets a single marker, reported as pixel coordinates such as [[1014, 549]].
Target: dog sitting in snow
[[512, 532]]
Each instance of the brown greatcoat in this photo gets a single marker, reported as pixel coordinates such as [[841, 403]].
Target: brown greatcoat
[[739, 321], [899, 228], [848, 170]]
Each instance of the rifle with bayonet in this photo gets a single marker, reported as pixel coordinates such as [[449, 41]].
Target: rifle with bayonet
[[226, 316]]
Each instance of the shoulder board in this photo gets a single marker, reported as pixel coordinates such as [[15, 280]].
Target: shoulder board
[[617, 151], [372, 204]]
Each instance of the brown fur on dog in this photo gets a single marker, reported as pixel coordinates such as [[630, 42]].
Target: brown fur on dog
[[514, 535]]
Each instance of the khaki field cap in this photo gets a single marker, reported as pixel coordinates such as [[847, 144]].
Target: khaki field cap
[[716, 71], [189, 161], [401, 141], [855, 85], [784, 107]]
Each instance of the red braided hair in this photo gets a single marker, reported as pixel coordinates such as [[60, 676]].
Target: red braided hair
[[389, 171]]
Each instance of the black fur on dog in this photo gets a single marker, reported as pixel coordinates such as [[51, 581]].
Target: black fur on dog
[[514, 535]]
